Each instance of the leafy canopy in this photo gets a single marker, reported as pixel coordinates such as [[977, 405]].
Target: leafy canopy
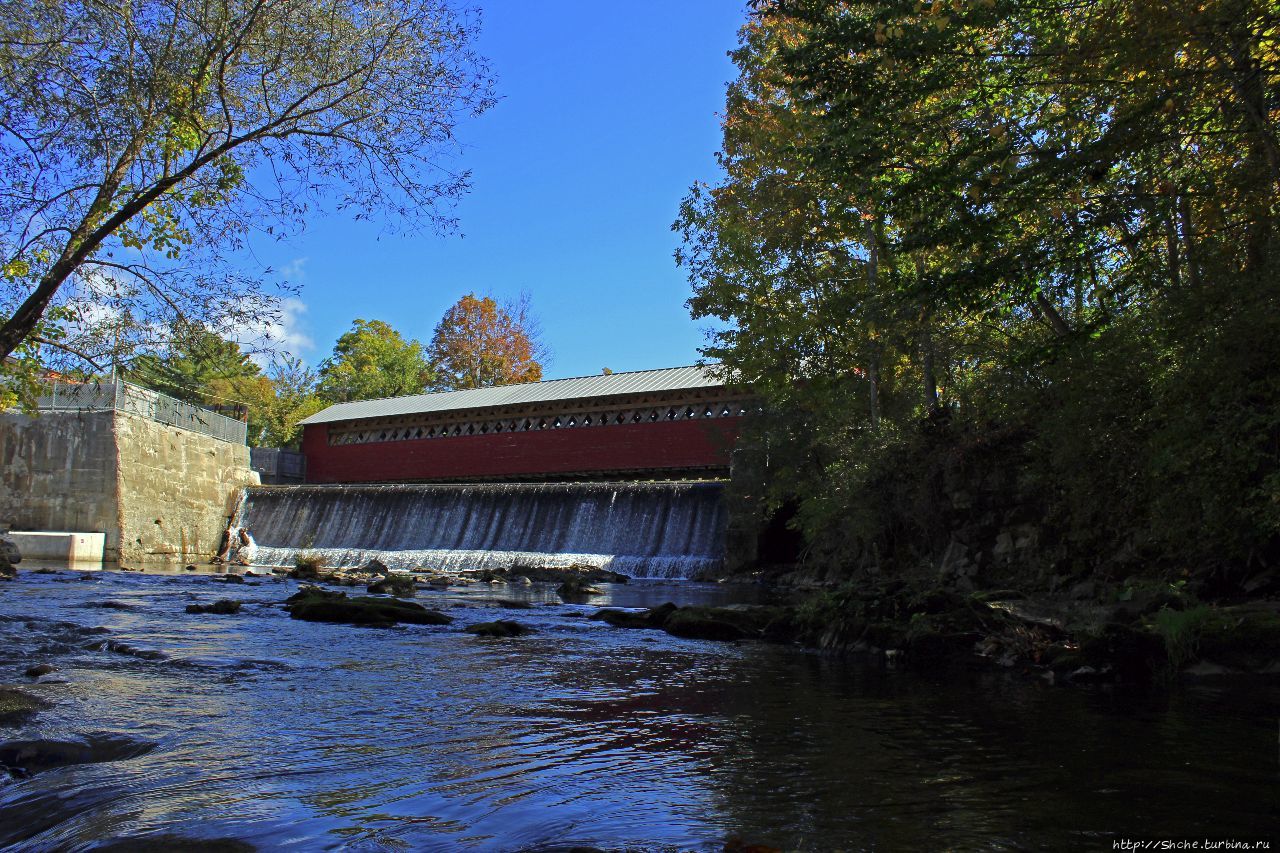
[[141, 141], [1059, 219], [480, 343], [371, 361]]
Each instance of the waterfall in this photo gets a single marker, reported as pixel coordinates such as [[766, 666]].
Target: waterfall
[[643, 530]]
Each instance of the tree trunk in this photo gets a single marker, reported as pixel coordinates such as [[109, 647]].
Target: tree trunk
[[1189, 240], [873, 366], [1171, 246], [930, 376], [1059, 325]]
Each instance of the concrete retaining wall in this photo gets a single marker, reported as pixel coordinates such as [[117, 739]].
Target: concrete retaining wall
[[58, 472], [62, 547], [155, 491]]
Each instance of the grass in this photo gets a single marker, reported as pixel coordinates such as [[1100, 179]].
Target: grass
[[309, 561], [1181, 631]]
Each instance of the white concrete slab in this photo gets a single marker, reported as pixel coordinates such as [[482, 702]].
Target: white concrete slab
[[59, 545]]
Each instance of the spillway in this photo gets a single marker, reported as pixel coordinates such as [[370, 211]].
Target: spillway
[[643, 530]]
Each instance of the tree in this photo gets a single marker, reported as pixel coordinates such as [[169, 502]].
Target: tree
[[198, 367], [480, 343], [294, 399], [139, 143], [201, 368], [370, 361], [1053, 222]]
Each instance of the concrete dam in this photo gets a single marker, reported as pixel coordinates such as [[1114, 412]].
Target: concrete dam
[[640, 529]]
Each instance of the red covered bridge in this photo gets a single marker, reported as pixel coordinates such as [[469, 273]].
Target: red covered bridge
[[680, 422]]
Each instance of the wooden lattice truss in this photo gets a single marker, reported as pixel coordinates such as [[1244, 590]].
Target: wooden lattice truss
[[700, 404]]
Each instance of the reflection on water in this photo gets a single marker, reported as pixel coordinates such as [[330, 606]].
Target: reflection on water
[[286, 734]]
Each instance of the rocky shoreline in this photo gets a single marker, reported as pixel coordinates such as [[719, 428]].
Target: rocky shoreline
[[1136, 631]]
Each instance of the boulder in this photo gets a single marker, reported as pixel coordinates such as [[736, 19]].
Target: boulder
[[10, 556], [375, 567], [309, 592], [16, 706], [9, 552], [1134, 654], [556, 574], [26, 757], [576, 589], [730, 623], [499, 628], [698, 623], [653, 618], [708, 623], [304, 572], [222, 606], [507, 603], [397, 584], [39, 670], [313, 605]]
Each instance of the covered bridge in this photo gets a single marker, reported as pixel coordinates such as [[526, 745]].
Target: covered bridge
[[676, 423]]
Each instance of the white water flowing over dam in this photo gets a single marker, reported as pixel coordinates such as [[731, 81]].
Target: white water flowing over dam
[[644, 530]]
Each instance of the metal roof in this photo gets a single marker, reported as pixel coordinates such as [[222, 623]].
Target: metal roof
[[604, 385]]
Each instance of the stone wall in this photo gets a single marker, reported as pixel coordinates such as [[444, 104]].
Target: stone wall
[[58, 472], [156, 491], [176, 489]]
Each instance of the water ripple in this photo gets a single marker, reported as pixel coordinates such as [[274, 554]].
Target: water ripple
[[292, 735]]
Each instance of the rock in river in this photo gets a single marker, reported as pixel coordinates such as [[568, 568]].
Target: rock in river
[[500, 628], [16, 706], [39, 670], [652, 618], [576, 589], [26, 757], [400, 585], [9, 557], [706, 623], [312, 604], [223, 606]]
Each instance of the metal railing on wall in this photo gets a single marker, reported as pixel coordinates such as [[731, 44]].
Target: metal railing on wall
[[135, 400]]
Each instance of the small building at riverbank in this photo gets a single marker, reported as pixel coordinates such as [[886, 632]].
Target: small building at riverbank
[[157, 477]]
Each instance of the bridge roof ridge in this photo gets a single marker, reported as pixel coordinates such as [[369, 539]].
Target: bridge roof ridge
[[549, 390]]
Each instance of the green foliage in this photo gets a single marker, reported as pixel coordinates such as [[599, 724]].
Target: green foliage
[[308, 561], [197, 365], [206, 370], [988, 264], [1180, 630], [294, 399], [22, 373], [130, 130], [371, 361]]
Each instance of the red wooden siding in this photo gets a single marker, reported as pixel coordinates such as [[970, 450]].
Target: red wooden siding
[[657, 447]]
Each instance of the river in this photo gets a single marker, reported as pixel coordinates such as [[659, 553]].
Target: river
[[265, 732]]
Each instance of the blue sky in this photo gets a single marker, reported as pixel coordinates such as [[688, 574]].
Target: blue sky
[[608, 113]]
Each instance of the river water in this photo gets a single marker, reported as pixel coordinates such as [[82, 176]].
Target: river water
[[282, 734]]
